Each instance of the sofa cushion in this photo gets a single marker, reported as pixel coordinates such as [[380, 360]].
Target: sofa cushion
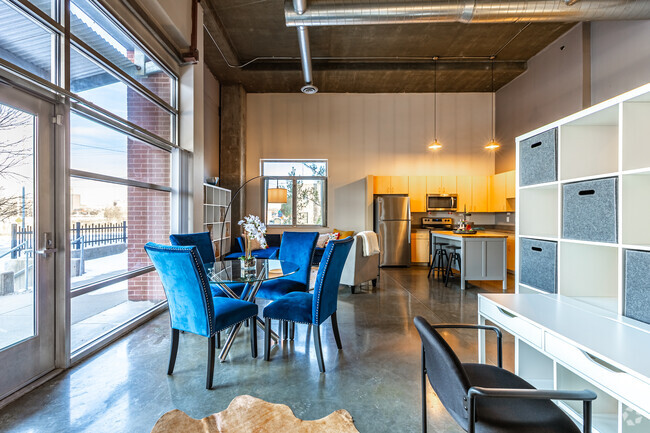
[[262, 254]]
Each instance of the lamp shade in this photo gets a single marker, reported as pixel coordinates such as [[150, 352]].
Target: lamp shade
[[492, 145], [277, 195]]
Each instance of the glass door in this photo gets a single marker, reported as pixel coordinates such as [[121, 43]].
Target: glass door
[[26, 239]]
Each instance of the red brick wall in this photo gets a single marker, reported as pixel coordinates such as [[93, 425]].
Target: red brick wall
[[148, 210]]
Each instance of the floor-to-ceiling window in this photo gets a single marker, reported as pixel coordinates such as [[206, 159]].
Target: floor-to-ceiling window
[[119, 112]]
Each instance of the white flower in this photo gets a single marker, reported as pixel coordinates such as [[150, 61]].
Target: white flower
[[254, 228]]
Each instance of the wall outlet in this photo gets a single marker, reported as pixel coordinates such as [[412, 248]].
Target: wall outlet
[[507, 219]]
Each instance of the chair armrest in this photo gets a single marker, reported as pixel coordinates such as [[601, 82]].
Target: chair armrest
[[585, 395], [535, 394], [478, 327]]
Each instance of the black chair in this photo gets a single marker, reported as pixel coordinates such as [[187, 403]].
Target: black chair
[[487, 399]]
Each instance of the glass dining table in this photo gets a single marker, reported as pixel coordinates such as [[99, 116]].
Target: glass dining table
[[231, 272]]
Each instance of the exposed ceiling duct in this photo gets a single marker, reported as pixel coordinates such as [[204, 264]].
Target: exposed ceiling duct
[[299, 7], [465, 11]]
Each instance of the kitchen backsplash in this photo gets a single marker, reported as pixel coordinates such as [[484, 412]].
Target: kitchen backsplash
[[479, 219]]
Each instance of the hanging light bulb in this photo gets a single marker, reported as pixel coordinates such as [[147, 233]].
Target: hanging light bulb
[[436, 144], [492, 145]]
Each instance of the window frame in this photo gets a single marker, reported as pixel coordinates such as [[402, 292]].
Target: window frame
[[294, 184]]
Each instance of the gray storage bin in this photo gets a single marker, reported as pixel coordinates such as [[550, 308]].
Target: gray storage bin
[[637, 285], [538, 264], [538, 158], [589, 210]]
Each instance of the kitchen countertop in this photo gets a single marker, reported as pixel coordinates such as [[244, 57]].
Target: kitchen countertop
[[480, 234]]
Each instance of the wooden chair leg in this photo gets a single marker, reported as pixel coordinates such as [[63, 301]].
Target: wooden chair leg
[[353, 289], [211, 353], [292, 330], [253, 326], [219, 340], [318, 348], [267, 339], [335, 328], [285, 329], [173, 351], [374, 282]]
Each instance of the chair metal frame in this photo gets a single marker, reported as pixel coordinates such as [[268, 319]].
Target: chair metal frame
[[477, 392]]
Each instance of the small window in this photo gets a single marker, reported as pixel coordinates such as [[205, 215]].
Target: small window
[[305, 183]]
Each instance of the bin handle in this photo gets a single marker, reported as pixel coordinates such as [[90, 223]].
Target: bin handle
[[587, 192], [536, 248], [534, 145]]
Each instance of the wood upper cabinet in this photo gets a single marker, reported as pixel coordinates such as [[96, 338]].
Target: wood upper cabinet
[[498, 193], [464, 191], [511, 184], [391, 184], [418, 193], [399, 184], [480, 194], [441, 184]]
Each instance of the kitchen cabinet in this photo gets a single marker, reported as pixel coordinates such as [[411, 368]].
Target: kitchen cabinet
[[464, 191], [418, 193], [511, 184], [391, 184], [498, 193], [480, 194], [441, 184], [420, 246], [510, 251]]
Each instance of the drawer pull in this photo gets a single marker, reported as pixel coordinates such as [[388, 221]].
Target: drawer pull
[[536, 248], [534, 145], [602, 363], [587, 192], [507, 313]]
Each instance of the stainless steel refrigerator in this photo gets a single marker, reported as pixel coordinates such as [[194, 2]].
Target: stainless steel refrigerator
[[393, 226]]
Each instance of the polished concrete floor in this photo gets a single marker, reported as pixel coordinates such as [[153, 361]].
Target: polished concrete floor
[[124, 388]]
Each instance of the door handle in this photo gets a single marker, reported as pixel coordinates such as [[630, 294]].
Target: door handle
[[46, 251], [49, 246]]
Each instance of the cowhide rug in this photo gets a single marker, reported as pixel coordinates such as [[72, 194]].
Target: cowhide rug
[[250, 414]]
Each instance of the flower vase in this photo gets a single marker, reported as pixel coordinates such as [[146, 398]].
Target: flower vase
[[248, 261]]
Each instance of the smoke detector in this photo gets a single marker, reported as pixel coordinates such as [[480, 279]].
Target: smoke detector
[[309, 89]]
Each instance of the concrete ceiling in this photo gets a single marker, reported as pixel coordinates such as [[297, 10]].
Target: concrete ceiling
[[365, 59]]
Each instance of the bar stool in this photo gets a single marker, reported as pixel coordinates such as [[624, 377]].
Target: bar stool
[[441, 255], [453, 255]]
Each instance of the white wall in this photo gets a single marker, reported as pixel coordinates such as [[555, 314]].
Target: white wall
[[211, 124], [367, 134], [620, 57], [552, 87]]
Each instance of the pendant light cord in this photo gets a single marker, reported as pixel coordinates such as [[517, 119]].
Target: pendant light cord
[[435, 99]]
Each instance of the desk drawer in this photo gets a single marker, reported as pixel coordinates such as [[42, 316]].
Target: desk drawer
[[611, 378], [511, 322]]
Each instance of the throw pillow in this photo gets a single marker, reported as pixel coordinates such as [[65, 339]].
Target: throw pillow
[[344, 233], [332, 237], [322, 240]]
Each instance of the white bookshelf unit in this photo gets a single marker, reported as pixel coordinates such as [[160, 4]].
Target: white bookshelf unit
[[581, 335], [215, 202]]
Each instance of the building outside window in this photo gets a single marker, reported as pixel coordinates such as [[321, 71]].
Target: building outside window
[[123, 118], [306, 185]]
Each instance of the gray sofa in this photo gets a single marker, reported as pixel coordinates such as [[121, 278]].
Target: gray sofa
[[358, 268]]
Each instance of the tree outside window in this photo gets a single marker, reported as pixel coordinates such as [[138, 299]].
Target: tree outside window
[[306, 185]]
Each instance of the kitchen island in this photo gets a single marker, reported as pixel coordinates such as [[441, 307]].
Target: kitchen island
[[482, 255]]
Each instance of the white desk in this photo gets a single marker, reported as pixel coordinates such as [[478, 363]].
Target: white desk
[[577, 345], [482, 256]]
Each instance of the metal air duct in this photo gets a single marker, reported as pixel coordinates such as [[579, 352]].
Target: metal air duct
[[299, 7], [465, 11]]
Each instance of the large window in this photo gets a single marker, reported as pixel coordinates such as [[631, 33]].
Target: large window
[[306, 185], [123, 117]]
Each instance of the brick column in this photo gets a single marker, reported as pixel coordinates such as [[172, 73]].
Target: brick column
[[148, 210]]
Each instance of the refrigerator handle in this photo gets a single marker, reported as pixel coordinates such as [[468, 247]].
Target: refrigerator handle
[[408, 234]]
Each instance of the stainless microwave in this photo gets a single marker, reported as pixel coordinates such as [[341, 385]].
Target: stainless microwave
[[442, 202]]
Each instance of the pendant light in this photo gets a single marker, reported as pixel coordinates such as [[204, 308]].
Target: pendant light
[[435, 145], [492, 145]]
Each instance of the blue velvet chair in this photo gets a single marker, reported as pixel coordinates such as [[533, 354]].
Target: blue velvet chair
[[313, 309], [192, 308], [298, 248], [203, 242]]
